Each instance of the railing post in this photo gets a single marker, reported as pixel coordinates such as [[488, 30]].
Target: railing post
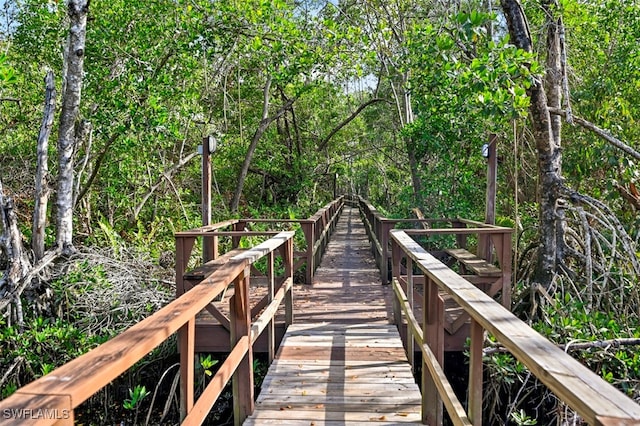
[[288, 271], [384, 242], [505, 265], [433, 329], [461, 239], [502, 243], [215, 251], [271, 334], [186, 342], [239, 226], [181, 265], [240, 326], [308, 228], [209, 248], [410, 339], [184, 246], [475, 373], [396, 258], [186, 334]]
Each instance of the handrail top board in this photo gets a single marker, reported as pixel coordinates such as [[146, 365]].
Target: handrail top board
[[83, 376], [575, 384], [214, 233], [254, 253], [201, 272], [211, 227], [211, 232], [442, 231]]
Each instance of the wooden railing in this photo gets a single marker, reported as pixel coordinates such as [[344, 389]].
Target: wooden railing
[[595, 400], [53, 398], [499, 249], [317, 230]]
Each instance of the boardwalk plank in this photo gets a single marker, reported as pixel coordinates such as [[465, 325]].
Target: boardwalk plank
[[317, 418], [342, 362], [317, 388]]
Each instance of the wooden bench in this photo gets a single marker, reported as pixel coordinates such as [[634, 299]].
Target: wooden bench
[[474, 264], [485, 276]]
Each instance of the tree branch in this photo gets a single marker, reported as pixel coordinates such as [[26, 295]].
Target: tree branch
[[605, 344], [262, 127], [25, 281], [96, 168], [165, 175], [346, 121], [600, 132]]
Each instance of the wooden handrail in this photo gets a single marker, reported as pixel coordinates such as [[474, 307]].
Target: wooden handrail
[[595, 400], [378, 228], [59, 392], [317, 230]]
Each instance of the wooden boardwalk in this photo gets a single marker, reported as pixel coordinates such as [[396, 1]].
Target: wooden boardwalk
[[342, 361]]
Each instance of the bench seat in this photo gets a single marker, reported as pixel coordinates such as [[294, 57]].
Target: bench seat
[[474, 264]]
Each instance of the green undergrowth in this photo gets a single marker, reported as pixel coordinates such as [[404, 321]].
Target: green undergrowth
[[600, 340], [89, 298], [39, 347]]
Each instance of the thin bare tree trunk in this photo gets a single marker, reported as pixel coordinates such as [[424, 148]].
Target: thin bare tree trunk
[[11, 244], [262, 127], [165, 175], [42, 172], [74, 60]]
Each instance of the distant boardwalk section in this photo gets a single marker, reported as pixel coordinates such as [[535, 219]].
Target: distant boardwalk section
[[341, 362]]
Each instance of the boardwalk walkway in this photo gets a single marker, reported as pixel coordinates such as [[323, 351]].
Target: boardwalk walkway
[[341, 362]]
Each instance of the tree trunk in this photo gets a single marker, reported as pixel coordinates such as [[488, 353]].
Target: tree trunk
[[549, 153], [554, 77], [262, 127], [42, 172], [72, 88], [18, 264], [416, 182]]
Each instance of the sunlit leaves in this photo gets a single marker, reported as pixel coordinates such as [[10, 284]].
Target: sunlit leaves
[[463, 64], [7, 73]]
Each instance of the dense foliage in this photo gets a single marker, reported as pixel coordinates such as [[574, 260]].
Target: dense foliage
[[389, 100]]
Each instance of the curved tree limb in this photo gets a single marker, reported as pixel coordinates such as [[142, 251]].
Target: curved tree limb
[[600, 132], [571, 346], [167, 174], [346, 121], [262, 127]]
